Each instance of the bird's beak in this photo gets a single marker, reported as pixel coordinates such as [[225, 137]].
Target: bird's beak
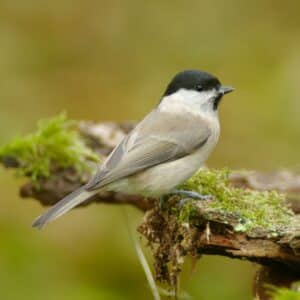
[[225, 90]]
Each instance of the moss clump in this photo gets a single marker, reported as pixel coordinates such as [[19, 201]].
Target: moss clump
[[187, 212], [264, 209], [285, 293], [55, 143]]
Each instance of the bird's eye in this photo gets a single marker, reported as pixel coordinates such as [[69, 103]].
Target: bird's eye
[[199, 87]]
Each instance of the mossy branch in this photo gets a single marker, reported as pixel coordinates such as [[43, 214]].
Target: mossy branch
[[248, 217]]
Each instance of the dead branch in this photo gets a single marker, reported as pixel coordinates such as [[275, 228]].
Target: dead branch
[[158, 226]]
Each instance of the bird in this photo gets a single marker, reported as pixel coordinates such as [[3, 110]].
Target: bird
[[164, 149]]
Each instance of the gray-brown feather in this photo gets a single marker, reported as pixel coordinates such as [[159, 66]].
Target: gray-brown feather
[[159, 138]]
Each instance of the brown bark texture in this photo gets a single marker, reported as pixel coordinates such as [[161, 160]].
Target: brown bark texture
[[211, 236]]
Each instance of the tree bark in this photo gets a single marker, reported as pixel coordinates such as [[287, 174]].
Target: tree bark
[[210, 236]]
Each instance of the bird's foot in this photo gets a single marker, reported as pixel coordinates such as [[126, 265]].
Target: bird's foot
[[191, 194], [188, 195]]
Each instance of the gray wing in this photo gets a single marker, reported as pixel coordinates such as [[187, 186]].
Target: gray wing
[[159, 138]]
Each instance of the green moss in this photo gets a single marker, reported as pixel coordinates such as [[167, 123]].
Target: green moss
[[187, 212], [285, 293], [264, 209], [55, 143]]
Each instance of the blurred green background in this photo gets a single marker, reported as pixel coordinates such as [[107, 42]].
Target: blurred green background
[[111, 60]]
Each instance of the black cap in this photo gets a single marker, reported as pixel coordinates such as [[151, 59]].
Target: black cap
[[192, 80]]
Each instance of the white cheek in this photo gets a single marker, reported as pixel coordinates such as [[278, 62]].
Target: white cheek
[[187, 100]]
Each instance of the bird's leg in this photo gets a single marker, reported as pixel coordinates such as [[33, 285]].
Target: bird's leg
[[188, 196]]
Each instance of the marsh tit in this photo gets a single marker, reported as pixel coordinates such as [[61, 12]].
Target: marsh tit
[[167, 147]]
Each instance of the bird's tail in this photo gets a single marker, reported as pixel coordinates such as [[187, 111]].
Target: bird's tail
[[63, 206]]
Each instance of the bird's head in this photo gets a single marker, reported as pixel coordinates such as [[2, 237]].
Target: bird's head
[[196, 88]]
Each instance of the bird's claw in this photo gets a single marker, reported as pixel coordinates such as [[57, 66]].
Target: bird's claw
[[192, 195], [188, 195]]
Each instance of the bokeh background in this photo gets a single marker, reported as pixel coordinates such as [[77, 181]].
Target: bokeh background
[[111, 60]]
